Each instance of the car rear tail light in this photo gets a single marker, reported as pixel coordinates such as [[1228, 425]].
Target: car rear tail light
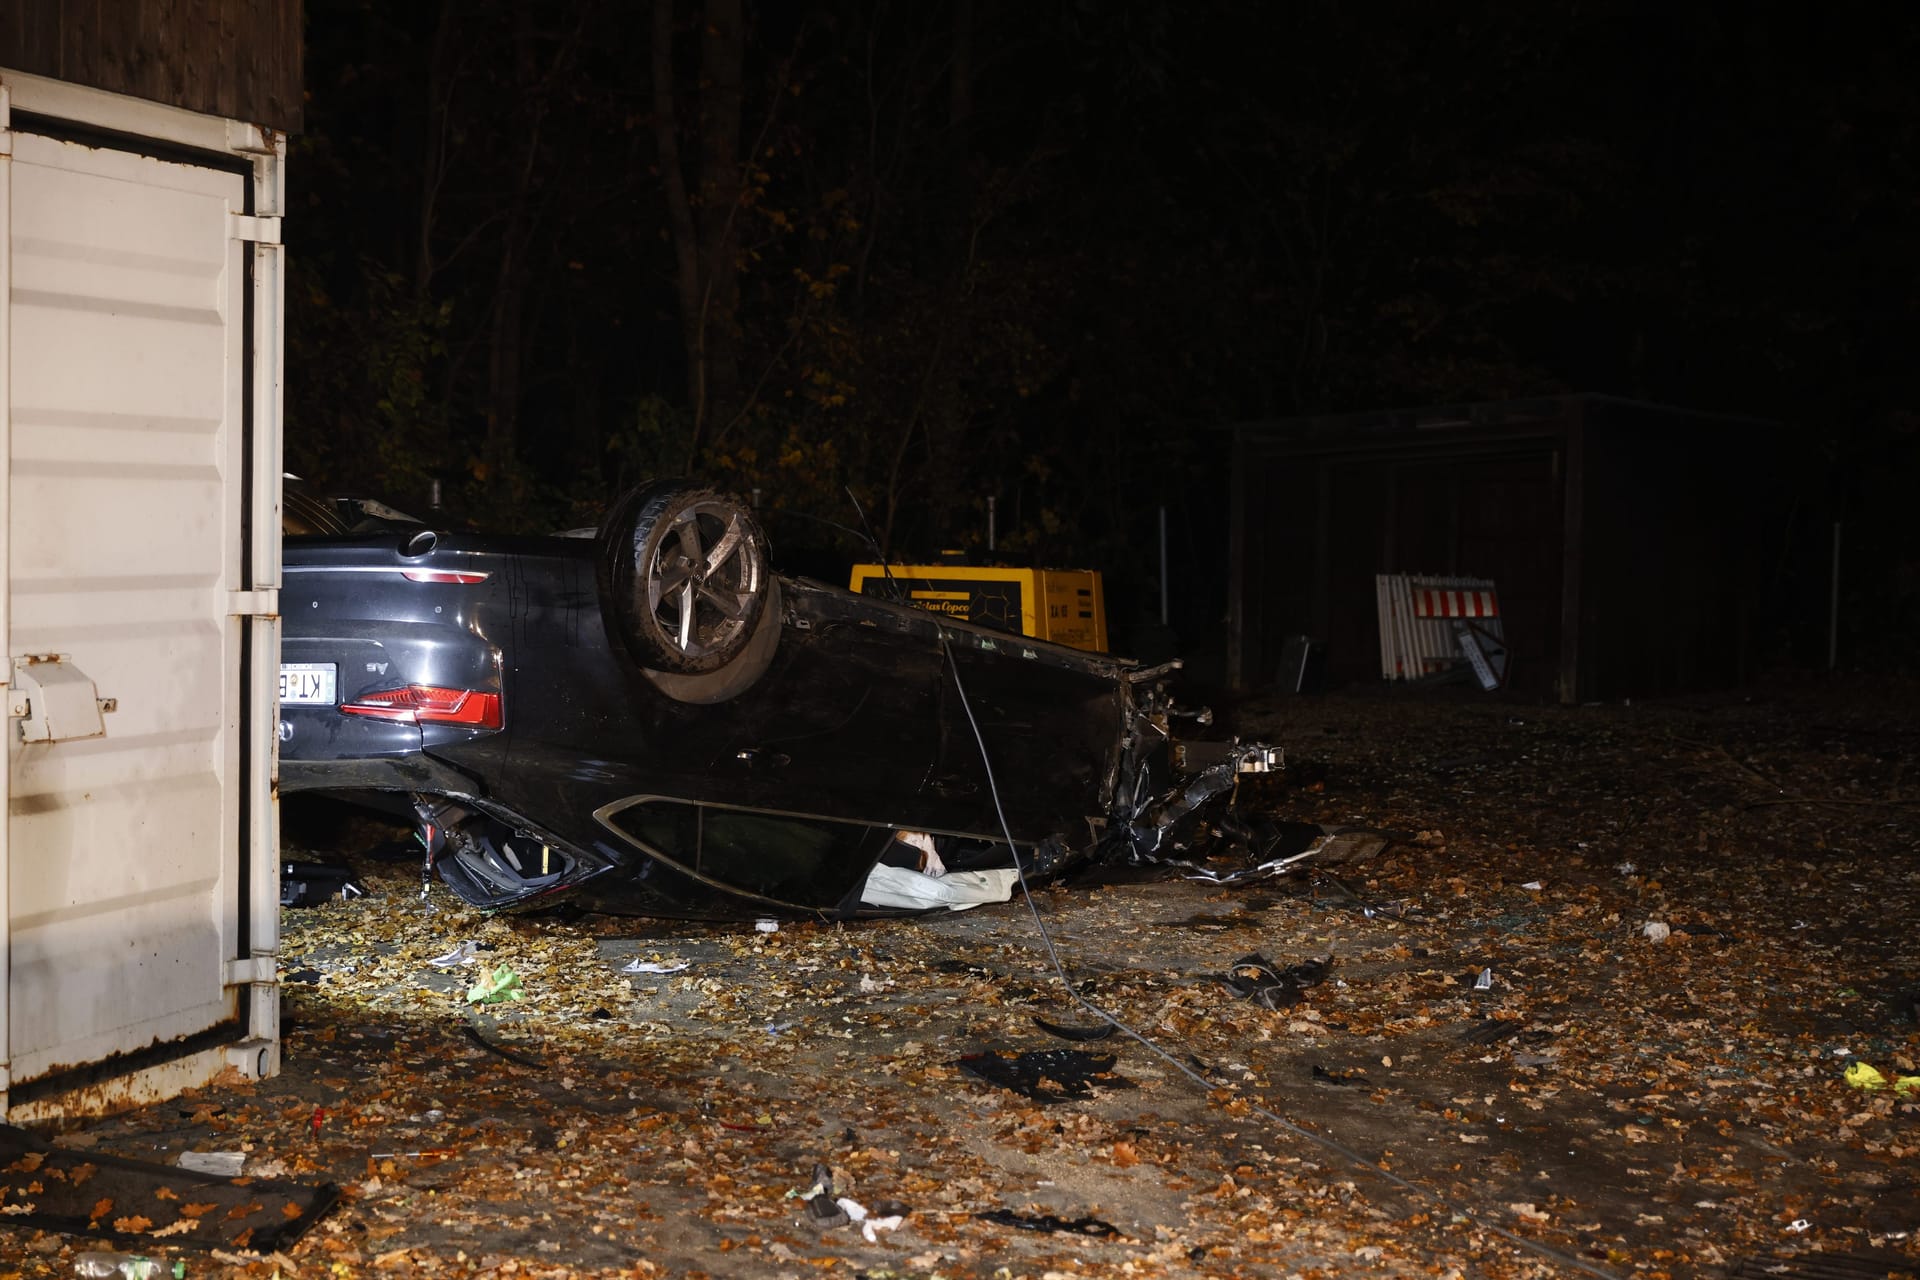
[[442, 575], [429, 704]]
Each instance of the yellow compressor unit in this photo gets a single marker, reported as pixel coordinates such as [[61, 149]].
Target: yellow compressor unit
[[1061, 605]]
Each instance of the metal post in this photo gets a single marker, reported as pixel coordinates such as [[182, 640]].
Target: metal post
[[1166, 614], [1833, 606], [991, 513], [433, 494]]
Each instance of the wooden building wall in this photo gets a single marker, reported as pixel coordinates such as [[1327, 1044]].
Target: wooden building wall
[[1629, 541], [238, 59]]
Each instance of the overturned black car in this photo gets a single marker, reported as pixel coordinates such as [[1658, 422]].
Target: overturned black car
[[651, 721]]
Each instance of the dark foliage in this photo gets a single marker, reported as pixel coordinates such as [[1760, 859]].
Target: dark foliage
[[932, 253]]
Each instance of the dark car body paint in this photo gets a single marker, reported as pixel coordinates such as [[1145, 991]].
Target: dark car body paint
[[858, 718]]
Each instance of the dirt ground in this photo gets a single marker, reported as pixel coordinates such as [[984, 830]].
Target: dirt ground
[[1601, 998]]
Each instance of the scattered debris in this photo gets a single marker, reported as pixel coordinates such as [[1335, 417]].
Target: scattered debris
[[766, 926], [1046, 1075], [885, 1216], [1657, 930], [1866, 1077], [656, 966], [502, 984], [826, 1212], [830, 1204], [1265, 870], [1253, 977], [467, 952], [308, 884], [1048, 1222], [220, 1164], [98, 1264], [1342, 896], [1483, 981], [1059, 1031]]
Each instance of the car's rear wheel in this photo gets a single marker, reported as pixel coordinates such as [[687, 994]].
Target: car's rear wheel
[[684, 577]]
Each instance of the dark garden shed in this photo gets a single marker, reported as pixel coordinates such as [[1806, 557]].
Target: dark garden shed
[[1628, 541]]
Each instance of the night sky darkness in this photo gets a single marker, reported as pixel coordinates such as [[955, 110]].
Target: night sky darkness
[[1043, 250]]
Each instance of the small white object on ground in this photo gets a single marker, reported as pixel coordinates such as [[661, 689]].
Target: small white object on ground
[[467, 952], [767, 926], [221, 1164], [637, 965], [1657, 931]]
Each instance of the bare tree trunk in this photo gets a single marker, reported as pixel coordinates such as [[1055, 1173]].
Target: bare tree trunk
[[686, 244], [433, 168], [535, 83], [722, 59], [702, 209]]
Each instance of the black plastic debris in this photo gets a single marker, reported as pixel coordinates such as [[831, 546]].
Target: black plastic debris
[[824, 1212], [1048, 1222], [1046, 1075], [823, 1197], [1253, 977], [308, 884], [1063, 1032]]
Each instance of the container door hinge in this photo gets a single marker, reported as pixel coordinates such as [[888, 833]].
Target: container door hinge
[[253, 229], [252, 969], [55, 701], [264, 603]]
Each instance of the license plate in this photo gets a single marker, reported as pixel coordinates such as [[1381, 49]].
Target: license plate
[[308, 684]]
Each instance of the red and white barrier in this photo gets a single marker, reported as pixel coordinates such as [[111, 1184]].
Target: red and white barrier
[[1430, 626]]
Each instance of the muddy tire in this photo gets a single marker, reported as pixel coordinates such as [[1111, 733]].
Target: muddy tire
[[684, 579]]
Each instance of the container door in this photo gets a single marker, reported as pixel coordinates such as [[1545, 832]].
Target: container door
[[125, 532]]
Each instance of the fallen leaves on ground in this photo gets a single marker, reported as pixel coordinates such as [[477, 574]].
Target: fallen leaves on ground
[[1511, 1038]]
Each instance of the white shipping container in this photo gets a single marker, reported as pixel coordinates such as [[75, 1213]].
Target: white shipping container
[[140, 343]]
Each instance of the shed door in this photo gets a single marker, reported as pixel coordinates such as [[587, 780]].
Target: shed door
[[124, 538]]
